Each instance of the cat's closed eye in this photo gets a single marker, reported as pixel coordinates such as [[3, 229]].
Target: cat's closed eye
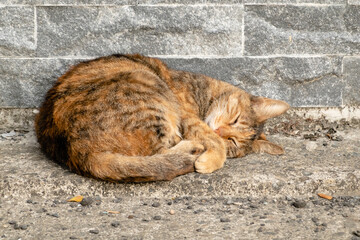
[[235, 121], [231, 139]]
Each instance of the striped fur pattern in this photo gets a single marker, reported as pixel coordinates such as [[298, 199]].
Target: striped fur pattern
[[130, 118]]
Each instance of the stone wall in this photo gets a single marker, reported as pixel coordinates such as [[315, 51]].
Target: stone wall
[[306, 52]]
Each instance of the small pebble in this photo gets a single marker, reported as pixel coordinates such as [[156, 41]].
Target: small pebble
[[117, 200], [156, 204], [87, 201], [53, 214], [172, 212], [157, 218], [224, 220], [12, 222], [241, 211], [198, 211], [115, 224], [315, 220], [131, 216], [299, 204], [23, 227], [94, 231]]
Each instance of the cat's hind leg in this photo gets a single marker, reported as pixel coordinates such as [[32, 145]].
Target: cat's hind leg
[[165, 165], [176, 161]]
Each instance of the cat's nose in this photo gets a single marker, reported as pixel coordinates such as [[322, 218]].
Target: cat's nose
[[222, 131], [218, 132]]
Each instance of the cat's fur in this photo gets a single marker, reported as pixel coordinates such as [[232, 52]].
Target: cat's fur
[[130, 118]]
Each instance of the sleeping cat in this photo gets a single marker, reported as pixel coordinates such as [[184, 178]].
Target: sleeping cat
[[130, 118]]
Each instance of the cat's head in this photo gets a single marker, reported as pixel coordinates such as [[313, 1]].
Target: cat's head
[[239, 118]]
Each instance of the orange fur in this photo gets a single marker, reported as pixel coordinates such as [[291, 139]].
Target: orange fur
[[130, 118]]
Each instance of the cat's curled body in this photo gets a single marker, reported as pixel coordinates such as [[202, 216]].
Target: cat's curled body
[[130, 118]]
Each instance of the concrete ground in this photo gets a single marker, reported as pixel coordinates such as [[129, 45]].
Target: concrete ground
[[256, 197]]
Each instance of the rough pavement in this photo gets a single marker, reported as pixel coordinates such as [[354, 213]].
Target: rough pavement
[[256, 197]]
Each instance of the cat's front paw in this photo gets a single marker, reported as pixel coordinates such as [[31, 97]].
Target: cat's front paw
[[187, 146], [210, 161]]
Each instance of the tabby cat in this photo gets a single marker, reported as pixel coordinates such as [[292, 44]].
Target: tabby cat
[[130, 118]]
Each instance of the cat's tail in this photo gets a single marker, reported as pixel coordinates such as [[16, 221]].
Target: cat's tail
[[116, 167]]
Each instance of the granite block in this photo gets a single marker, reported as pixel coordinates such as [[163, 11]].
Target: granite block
[[290, 29], [151, 30], [24, 82], [351, 94], [313, 81], [299, 81], [17, 31]]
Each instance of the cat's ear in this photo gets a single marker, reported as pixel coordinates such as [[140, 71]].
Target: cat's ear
[[261, 146], [266, 108]]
